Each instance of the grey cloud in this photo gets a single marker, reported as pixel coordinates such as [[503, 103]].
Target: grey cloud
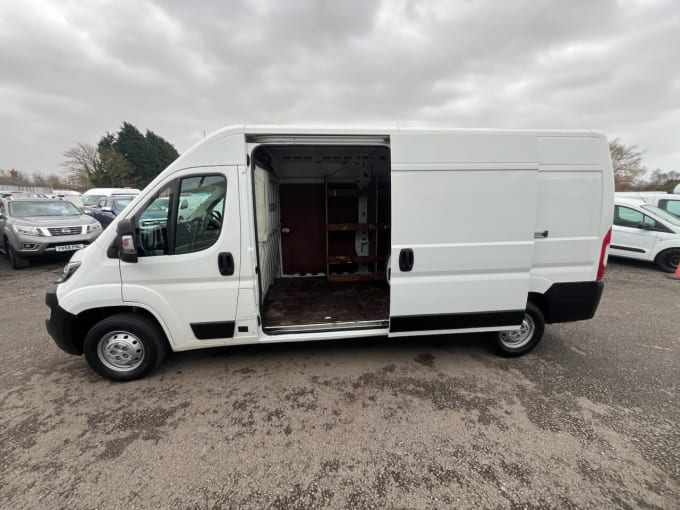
[[71, 71]]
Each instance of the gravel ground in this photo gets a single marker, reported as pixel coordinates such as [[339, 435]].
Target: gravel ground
[[588, 420]]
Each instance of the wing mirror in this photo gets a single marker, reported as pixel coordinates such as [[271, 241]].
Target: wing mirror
[[106, 209], [127, 251], [643, 225]]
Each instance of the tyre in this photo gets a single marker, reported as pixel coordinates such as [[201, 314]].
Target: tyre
[[521, 341], [124, 347], [668, 260], [16, 261]]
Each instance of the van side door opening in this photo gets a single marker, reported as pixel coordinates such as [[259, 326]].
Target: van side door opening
[[322, 215]]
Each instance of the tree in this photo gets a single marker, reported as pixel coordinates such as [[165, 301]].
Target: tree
[[92, 167], [627, 163], [131, 144], [663, 181], [147, 154]]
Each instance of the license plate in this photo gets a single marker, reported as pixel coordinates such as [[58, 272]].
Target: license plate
[[70, 247]]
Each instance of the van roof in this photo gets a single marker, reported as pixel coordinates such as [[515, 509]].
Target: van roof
[[628, 200], [112, 191]]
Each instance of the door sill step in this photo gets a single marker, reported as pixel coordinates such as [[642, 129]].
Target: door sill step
[[326, 327]]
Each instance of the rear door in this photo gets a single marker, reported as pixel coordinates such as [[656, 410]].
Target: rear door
[[463, 217], [188, 266]]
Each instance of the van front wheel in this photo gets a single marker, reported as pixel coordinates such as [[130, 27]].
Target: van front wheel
[[124, 347], [521, 341]]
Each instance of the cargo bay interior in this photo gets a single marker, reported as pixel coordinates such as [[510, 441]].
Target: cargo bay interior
[[323, 234]]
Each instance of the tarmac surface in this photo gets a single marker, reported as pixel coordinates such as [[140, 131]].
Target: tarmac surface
[[589, 419]]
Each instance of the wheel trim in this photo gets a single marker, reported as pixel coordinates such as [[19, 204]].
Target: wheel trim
[[522, 336], [120, 351]]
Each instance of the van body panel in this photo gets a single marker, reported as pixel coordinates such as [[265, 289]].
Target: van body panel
[[95, 285], [187, 288], [472, 241]]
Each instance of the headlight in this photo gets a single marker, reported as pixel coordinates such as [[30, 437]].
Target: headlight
[[69, 269], [29, 231], [93, 227]]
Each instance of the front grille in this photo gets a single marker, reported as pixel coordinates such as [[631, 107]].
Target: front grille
[[65, 231]]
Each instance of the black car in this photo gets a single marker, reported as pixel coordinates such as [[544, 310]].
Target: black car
[[108, 208]]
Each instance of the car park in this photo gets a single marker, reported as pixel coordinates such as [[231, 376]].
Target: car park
[[92, 196], [669, 202], [108, 208], [643, 231], [35, 227]]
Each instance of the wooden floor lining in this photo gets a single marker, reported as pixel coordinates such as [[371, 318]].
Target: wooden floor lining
[[311, 300]]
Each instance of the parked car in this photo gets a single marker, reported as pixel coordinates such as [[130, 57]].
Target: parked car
[[667, 201], [35, 227], [92, 196], [108, 208], [643, 231]]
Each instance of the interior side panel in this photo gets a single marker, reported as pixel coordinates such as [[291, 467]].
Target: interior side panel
[[303, 237]]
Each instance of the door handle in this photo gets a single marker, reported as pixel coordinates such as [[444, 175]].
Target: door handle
[[406, 260], [225, 261]]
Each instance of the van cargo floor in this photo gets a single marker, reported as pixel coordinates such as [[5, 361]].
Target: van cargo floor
[[314, 304]]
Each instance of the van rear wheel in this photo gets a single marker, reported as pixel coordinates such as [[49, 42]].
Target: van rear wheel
[[124, 347], [521, 341]]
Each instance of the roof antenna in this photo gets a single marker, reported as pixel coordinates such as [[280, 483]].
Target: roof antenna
[[204, 133]]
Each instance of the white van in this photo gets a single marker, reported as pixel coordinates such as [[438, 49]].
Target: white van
[[643, 231], [299, 230], [669, 202]]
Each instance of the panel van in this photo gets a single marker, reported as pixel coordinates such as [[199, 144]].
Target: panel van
[[297, 234]]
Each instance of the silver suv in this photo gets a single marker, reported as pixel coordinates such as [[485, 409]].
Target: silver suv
[[34, 227]]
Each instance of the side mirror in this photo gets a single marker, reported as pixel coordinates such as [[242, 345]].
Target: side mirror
[[643, 225], [107, 209], [127, 251]]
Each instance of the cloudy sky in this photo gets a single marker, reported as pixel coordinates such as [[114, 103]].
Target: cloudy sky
[[72, 70]]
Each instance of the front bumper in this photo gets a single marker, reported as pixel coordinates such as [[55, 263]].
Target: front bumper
[[60, 324], [35, 246]]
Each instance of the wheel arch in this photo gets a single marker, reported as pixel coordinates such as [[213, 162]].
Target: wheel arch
[[86, 319], [542, 303]]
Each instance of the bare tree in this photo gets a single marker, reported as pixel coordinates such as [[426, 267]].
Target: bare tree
[[627, 162], [82, 162], [90, 166], [663, 181]]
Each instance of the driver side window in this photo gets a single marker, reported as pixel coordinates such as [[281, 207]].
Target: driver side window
[[153, 225], [627, 217], [200, 213], [184, 217]]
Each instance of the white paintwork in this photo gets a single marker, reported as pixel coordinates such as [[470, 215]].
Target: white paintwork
[[268, 227], [668, 201], [650, 242], [467, 201], [111, 191]]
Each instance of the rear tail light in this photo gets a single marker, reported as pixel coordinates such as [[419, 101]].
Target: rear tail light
[[603, 254]]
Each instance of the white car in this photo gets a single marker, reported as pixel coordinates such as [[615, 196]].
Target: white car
[[667, 201], [645, 232]]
